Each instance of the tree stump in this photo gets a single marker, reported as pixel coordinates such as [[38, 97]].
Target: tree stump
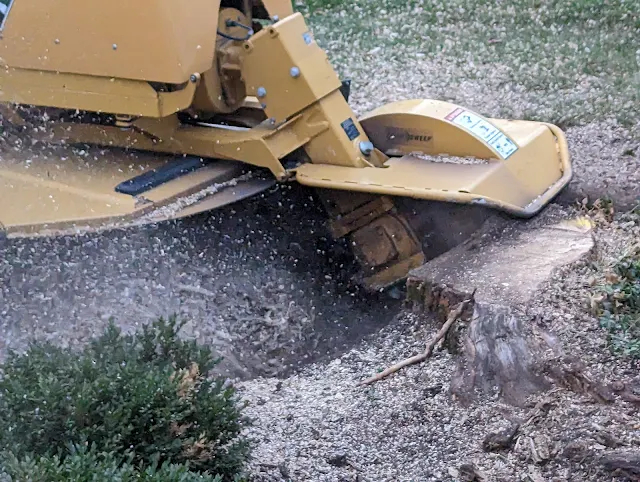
[[499, 349]]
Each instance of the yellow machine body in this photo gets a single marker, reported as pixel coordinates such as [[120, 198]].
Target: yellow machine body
[[141, 40], [188, 98]]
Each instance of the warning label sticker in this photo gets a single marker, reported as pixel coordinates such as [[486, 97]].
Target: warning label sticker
[[484, 130], [503, 145]]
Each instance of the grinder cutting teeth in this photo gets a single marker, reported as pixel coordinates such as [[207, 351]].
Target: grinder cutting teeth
[[201, 95]]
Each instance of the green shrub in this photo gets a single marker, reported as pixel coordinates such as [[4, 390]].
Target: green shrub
[[621, 307], [146, 398], [88, 465]]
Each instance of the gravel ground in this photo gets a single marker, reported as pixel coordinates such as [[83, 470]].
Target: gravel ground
[[259, 284]]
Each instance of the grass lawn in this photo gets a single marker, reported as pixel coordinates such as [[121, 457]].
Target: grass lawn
[[570, 62]]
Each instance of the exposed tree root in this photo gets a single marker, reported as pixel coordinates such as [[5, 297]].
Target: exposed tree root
[[453, 317], [570, 372], [623, 463]]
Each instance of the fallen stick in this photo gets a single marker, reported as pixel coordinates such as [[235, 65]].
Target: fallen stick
[[453, 316], [195, 289]]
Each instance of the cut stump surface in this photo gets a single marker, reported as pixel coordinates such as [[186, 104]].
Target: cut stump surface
[[506, 264]]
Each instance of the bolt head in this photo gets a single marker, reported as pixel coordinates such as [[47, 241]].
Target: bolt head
[[261, 92], [366, 147], [295, 72]]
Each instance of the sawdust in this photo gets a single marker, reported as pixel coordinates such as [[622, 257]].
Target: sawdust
[[450, 159], [407, 427], [257, 280], [254, 283]]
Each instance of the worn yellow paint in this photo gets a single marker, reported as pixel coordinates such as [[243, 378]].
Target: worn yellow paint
[[88, 93], [145, 40], [58, 188], [521, 184]]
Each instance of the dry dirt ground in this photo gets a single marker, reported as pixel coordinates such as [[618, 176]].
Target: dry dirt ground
[[258, 281]]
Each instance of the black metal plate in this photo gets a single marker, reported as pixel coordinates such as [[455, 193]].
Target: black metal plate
[[154, 178], [350, 129]]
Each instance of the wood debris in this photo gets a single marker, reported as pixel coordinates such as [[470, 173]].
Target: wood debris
[[569, 372], [468, 472], [623, 462], [501, 440], [453, 317]]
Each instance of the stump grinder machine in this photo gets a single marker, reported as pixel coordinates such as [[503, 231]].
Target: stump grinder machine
[[189, 106]]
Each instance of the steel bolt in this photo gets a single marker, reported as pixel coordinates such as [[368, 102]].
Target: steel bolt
[[295, 72], [366, 148], [261, 91]]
